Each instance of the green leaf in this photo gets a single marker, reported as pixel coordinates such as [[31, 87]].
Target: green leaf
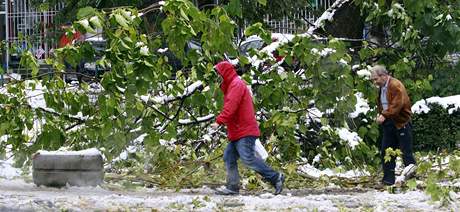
[[96, 22], [283, 75], [124, 45], [244, 60], [257, 29], [235, 8], [454, 165], [412, 184], [29, 61], [139, 106], [121, 20], [85, 12], [182, 13], [199, 99], [262, 2], [148, 64], [388, 154], [85, 24], [362, 131]]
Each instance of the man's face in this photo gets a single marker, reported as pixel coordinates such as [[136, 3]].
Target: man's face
[[378, 80]]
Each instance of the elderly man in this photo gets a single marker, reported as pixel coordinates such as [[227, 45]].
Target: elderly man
[[394, 109]]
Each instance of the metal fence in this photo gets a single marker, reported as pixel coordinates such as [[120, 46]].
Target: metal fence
[[30, 28], [33, 29], [288, 26]]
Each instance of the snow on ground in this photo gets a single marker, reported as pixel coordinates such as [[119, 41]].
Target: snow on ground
[[6, 166], [18, 195], [314, 173], [7, 170]]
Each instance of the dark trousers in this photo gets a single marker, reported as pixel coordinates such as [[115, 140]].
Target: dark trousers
[[395, 138]]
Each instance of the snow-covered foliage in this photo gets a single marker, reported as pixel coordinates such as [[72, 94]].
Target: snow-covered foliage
[[450, 101], [328, 15]]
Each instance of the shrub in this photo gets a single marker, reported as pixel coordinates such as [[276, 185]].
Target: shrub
[[437, 128]]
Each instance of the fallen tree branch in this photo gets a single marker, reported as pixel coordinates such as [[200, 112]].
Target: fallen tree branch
[[198, 120], [167, 99]]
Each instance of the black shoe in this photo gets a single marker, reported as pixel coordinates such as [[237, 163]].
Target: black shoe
[[385, 183], [279, 184], [382, 185], [226, 191]]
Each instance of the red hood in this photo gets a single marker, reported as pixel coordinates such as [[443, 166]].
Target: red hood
[[228, 73]]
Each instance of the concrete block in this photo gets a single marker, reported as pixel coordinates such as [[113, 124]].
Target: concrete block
[[77, 168]]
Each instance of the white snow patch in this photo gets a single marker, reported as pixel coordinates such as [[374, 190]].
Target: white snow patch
[[314, 173], [140, 43], [92, 151], [352, 138], [144, 50], [35, 97], [7, 170], [328, 15], [422, 105], [162, 99], [314, 114], [199, 119], [343, 62], [323, 53], [140, 139], [364, 73], [317, 158], [361, 106], [162, 50]]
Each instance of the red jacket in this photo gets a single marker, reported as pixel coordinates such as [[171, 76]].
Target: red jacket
[[238, 112], [68, 39]]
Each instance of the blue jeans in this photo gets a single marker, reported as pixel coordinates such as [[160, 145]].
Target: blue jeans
[[396, 138], [244, 149]]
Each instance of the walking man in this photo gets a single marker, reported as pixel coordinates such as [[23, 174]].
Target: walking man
[[394, 109], [242, 131]]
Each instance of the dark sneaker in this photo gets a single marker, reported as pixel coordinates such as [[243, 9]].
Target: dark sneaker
[[279, 184], [226, 191], [409, 171], [385, 183], [382, 185]]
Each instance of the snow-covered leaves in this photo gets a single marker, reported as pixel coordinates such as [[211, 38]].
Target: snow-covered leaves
[[452, 103]]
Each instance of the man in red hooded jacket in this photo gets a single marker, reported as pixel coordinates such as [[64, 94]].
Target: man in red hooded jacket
[[242, 131]]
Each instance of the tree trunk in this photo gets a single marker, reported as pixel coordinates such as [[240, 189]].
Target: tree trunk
[[346, 21]]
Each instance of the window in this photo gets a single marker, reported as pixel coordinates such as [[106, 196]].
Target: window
[[2, 7]]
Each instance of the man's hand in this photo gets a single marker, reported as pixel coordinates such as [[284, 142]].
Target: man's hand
[[380, 119], [215, 125]]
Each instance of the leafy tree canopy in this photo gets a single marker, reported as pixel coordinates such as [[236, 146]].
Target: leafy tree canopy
[[142, 101]]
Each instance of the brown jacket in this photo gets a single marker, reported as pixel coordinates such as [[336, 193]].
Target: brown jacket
[[399, 106]]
